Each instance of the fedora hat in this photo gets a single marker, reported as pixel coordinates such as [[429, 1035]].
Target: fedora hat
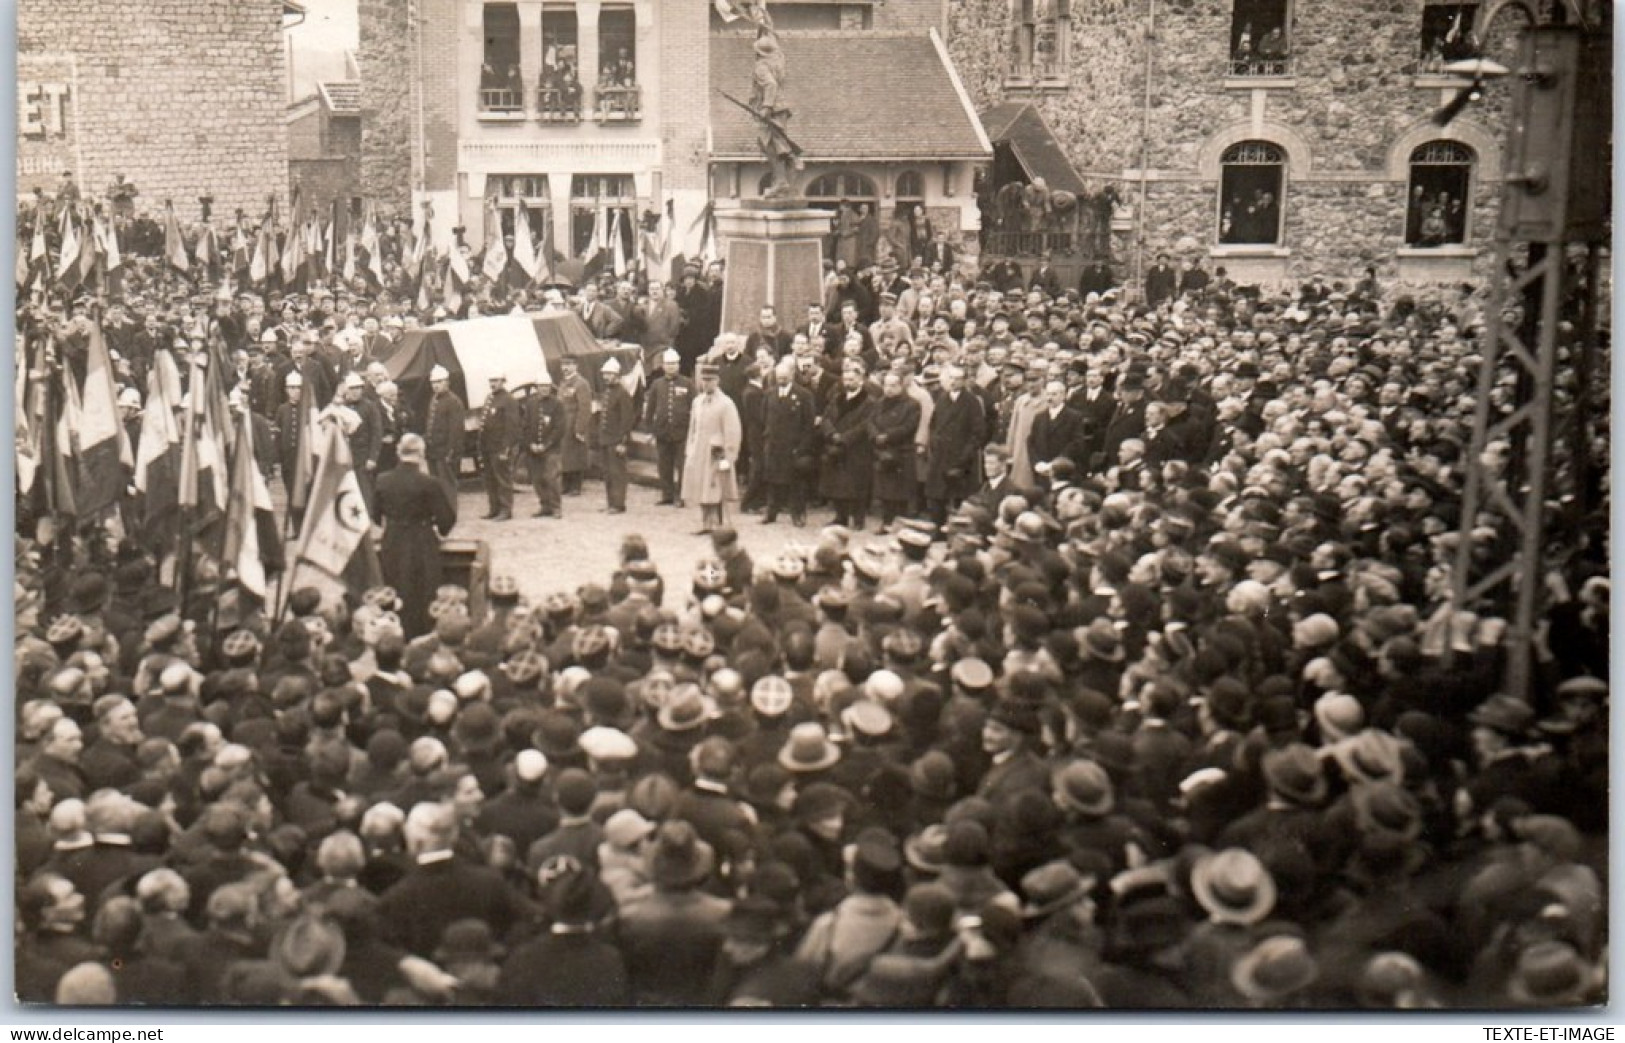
[[678, 857], [925, 849], [1294, 773], [1233, 887], [1084, 786], [1051, 888], [1386, 808], [1100, 642], [808, 749], [310, 946], [684, 710], [1370, 756], [1503, 713], [1275, 969]]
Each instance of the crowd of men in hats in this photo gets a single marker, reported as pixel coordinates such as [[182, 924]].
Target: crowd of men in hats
[[1150, 696]]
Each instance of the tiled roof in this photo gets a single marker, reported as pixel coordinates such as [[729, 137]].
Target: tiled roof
[[854, 95], [1020, 125], [343, 97]]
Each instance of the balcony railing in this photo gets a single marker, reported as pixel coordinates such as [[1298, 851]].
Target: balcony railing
[[1028, 244], [619, 104], [501, 101], [1260, 66], [558, 104]]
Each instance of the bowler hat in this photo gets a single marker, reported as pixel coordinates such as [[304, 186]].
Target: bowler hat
[[678, 857], [1294, 773], [1052, 887], [808, 749]]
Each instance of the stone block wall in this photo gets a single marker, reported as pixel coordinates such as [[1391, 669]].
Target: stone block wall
[[1348, 116], [183, 97], [385, 59]]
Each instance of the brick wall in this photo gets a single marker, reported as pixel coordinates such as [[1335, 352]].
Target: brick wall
[[184, 97], [685, 63], [1354, 104], [440, 94]]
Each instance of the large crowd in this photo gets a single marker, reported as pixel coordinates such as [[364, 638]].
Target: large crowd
[[1147, 693]]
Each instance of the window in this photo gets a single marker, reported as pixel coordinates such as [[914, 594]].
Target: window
[[601, 204], [1041, 44], [1260, 38], [910, 187], [855, 233], [617, 98], [1447, 35], [1250, 186], [501, 88], [515, 194], [558, 94], [841, 185], [1436, 208]]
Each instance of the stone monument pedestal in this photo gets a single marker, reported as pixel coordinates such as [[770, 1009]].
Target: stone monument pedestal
[[774, 250]]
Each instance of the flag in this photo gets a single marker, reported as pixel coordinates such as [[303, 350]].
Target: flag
[[655, 244], [39, 254], [104, 447], [524, 254], [349, 257], [208, 251], [90, 251], [727, 10], [496, 253], [293, 249], [27, 388], [618, 244], [59, 492], [370, 243], [67, 258], [174, 243], [109, 245], [160, 436], [242, 250], [336, 524], [250, 523], [544, 249], [203, 471]]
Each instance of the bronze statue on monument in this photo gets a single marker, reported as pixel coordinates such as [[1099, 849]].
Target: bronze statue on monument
[[768, 77]]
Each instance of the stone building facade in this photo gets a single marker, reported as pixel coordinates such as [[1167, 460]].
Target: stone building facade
[[182, 97], [324, 146], [1311, 151], [460, 108]]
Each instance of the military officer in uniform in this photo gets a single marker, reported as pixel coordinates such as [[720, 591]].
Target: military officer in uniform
[[666, 412], [499, 436]]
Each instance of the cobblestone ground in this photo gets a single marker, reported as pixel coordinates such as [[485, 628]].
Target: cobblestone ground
[[547, 554]]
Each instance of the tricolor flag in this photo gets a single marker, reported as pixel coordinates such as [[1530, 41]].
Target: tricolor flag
[[158, 451], [370, 243], [59, 490], [524, 254], [336, 524], [203, 465], [242, 248], [67, 258], [108, 235], [208, 251], [29, 388], [496, 252], [293, 248], [618, 244], [104, 447], [174, 243], [251, 537]]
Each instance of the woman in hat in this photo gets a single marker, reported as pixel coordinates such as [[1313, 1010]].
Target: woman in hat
[[415, 513]]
